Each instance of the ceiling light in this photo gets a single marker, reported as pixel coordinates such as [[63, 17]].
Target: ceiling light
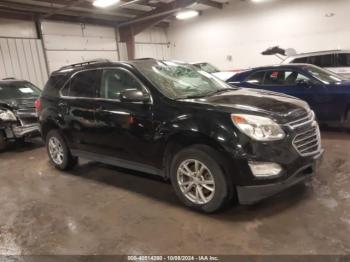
[[187, 14], [105, 3]]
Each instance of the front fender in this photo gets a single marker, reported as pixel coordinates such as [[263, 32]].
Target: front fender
[[220, 132]]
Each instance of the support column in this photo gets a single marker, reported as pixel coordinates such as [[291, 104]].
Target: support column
[[127, 36]]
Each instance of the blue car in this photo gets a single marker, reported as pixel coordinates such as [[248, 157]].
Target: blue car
[[327, 93]]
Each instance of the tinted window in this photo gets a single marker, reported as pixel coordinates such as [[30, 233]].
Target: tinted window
[[322, 60], [85, 84], [283, 77], [275, 78], [116, 81], [301, 60], [256, 78], [54, 84], [343, 60]]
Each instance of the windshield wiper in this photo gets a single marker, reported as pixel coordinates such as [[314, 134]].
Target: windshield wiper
[[221, 91], [192, 97], [208, 94]]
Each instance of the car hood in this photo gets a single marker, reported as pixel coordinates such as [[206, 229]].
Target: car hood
[[224, 75], [265, 102]]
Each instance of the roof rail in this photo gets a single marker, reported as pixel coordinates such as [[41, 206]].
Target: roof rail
[[144, 58], [9, 78], [85, 63]]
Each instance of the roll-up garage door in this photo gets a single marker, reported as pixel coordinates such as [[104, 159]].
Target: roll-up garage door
[[23, 58], [68, 43], [152, 43]]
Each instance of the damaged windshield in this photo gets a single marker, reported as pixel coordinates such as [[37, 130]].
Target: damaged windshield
[[178, 80]]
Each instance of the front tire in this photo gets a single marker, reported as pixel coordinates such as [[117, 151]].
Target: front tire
[[199, 180], [58, 151]]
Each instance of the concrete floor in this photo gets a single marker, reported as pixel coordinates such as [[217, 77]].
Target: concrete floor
[[98, 209]]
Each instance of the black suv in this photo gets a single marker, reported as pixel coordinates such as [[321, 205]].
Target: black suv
[[216, 143], [18, 118]]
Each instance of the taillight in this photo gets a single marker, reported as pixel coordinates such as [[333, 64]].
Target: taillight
[[37, 105]]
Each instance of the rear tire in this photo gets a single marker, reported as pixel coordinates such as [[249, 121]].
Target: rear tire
[[58, 151], [199, 180], [3, 142]]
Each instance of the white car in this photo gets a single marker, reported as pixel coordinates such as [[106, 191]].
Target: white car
[[209, 68], [337, 61]]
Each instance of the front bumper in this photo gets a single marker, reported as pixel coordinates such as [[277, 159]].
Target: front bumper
[[256, 193], [29, 130]]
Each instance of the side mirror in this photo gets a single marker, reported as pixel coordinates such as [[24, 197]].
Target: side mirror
[[134, 96], [304, 83]]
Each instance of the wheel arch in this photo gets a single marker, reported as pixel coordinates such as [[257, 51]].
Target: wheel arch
[[183, 139], [346, 116], [47, 126]]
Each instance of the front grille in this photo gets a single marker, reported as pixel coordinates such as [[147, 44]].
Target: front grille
[[308, 142], [305, 120]]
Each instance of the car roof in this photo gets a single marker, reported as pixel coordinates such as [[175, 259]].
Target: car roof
[[105, 63], [326, 52], [11, 81], [268, 67]]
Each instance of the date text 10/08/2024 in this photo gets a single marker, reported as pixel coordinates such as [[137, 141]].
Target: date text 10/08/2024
[[173, 258]]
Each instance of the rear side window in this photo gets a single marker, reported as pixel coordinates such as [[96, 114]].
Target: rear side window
[[343, 60], [256, 78], [85, 84], [54, 84], [301, 60], [322, 60]]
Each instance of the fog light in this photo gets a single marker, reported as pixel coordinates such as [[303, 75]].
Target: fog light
[[264, 169]]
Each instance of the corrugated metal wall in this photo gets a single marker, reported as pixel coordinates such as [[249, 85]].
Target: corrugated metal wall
[[23, 59], [67, 43], [22, 54]]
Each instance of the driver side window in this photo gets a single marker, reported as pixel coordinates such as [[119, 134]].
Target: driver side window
[[284, 78], [115, 81]]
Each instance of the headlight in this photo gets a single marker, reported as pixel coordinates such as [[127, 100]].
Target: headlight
[[7, 115], [258, 127]]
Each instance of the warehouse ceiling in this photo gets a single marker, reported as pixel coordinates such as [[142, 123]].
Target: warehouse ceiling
[[123, 13]]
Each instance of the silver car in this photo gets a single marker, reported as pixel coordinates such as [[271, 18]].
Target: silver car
[[337, 61]]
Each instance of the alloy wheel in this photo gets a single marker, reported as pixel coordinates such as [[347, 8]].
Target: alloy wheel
[[196, 182], [56, 150]]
